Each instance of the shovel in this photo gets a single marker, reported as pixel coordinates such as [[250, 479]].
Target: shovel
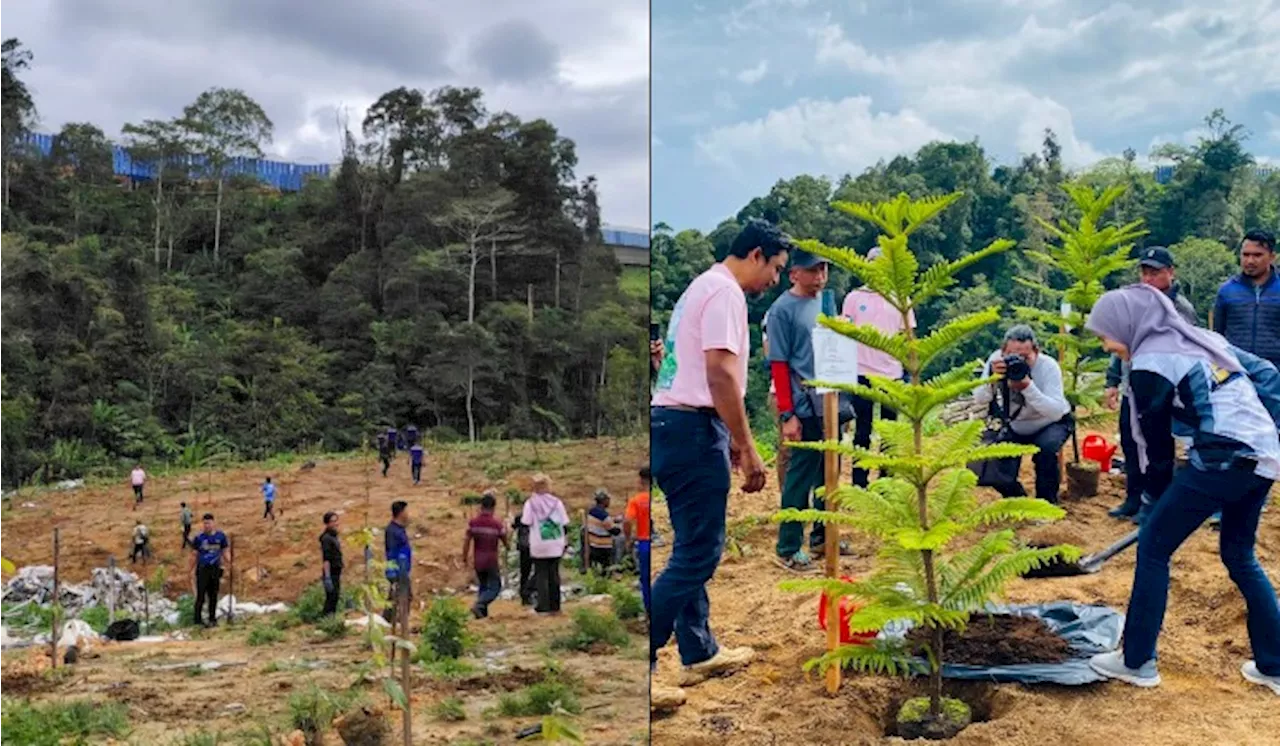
[[1088, 564]]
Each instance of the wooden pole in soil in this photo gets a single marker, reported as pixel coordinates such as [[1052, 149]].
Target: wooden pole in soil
[[111, 590], [53, 637], [831, 464], [231, 591]]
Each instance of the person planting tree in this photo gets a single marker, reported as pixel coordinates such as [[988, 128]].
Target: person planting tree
[[1157, 270], [1178, 371]]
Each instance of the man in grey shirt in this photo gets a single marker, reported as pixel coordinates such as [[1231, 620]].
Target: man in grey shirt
[[1038, 412], [791, 321]]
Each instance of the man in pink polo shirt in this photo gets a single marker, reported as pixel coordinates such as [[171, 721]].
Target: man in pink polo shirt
[[698, 431], [864, 306]]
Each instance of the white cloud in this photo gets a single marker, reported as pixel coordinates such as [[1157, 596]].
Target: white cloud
[[834, 48], [723, 100], [753, 75], [832, 137]]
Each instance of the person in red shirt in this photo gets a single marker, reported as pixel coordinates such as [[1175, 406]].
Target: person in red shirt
[[485, 532], [636, 529]]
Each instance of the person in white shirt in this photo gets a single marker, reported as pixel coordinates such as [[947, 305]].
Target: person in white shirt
[[138, 478], [1038, 412]]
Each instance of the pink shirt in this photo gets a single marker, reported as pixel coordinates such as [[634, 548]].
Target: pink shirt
[[139, 476], [863, 306], [710, 315], [542, 507]]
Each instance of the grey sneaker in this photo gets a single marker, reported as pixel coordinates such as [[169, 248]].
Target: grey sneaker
[[1251, 673], [799, 562], [1112, 666]]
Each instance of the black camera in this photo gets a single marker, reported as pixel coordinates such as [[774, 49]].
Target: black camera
[[1016, 368]]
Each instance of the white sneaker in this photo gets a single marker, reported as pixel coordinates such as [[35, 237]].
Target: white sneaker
[[1112, 666], [1251, 673], [724, 662]]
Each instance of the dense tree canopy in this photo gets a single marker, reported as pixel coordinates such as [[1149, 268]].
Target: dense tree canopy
[[450, 275], [1214, 196]]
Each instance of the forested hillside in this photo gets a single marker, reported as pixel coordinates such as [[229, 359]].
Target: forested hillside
[[1215, 195], [450, 274]]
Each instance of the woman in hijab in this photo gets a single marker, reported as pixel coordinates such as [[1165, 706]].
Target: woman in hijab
[[1180, 372]]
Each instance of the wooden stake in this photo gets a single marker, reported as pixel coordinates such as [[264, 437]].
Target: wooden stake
[[53, 638], [831, 463], [111, 590]]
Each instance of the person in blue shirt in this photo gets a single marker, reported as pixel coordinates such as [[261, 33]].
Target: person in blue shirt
[[269, 498], [399, 557], [392, 441], [416, 453], [411, 435], [211, 550]]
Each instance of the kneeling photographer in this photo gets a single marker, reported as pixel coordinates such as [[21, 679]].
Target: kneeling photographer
[[1033, 410]]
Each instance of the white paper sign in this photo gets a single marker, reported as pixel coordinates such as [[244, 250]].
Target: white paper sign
[[835, 358], [1066, 314]]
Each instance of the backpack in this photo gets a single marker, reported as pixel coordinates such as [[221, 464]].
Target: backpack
[[123, 630]]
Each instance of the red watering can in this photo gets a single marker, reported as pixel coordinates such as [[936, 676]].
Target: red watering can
[[1096, 448], [847, 609]]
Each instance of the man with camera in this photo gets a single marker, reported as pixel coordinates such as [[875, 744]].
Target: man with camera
[[1033, 410]]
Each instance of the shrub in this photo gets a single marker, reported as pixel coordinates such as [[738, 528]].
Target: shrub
[[310, 606], [96, 617], [627, 604], [261, 634], [591, 627], [449, 710], [444, 629], [312, 709], [928, 499], [333, 627]]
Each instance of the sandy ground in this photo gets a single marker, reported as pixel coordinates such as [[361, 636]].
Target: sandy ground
[[277, 560], [1203, 700]]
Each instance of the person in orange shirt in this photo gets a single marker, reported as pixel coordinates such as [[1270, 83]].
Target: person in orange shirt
[[636, 529]]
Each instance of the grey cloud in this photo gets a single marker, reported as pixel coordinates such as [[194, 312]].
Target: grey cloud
[[115, 61], [515, 51]]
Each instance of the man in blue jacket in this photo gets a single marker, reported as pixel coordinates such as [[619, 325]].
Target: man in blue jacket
[[1247, 310], [399, 557], [416, 453]]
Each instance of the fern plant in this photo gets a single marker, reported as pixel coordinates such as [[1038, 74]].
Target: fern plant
[[1085, 254], [927, 501]]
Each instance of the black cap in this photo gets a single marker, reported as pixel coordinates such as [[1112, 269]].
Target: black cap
[[801, 259], [1156, 257]]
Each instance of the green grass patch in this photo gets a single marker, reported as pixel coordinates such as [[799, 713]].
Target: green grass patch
[[592, 627], [261, 634], [540, 699], [634, 282], [448, 668], [449, 710], [52, 724], [312, 708]]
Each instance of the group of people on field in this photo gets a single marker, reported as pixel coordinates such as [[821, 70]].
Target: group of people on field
[[1218, 389], [391, 441]]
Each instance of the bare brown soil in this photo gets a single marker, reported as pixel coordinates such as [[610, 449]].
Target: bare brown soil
[[1203, 700], [997, 640], [276, 561]]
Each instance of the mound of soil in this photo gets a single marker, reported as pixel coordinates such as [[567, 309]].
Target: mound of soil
[[997, 640]]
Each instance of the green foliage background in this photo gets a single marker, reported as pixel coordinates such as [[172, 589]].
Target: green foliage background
[[187, 319]]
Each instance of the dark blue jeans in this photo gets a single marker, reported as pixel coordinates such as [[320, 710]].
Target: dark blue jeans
[[1193, 496], [490, 582], [642, 566], [804, 474], [689, 453]]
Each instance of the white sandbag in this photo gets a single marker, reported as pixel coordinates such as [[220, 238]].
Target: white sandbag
[[77, 632], [363, 622]]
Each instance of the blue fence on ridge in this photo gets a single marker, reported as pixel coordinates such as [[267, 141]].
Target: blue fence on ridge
[[1164, 174], [624, 237], [287, 177]]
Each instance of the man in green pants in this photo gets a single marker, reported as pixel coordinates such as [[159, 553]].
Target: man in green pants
[[791, 321]]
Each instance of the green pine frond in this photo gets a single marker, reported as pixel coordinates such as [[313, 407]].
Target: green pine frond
[[979, 591], [936, 537], [951, 334], [902, 215], [952, 494], [866, 334], [1012, 510], [941, 276], [883, 657]]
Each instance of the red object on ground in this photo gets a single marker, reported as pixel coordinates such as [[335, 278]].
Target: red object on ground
[[847, 609], [1096, 448]]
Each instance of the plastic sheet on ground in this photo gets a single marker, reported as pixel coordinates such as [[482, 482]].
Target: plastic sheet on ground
[[249, 608], [1089, 630], [363, 622]]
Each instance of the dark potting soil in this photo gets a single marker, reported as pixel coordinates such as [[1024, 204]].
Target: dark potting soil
[[997, 640]]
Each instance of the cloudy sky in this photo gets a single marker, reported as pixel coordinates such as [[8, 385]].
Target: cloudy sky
[[582, 64], [749, 91]]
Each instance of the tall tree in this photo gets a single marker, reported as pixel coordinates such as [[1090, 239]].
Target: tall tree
[[225, 124], [17, 108], [161, 144]]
